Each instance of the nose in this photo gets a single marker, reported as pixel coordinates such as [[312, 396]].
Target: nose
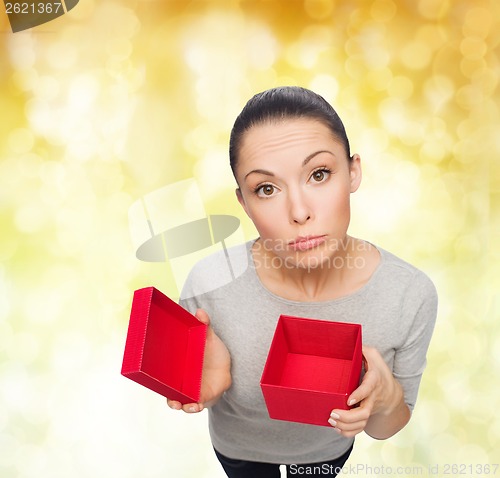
[[299, 209]]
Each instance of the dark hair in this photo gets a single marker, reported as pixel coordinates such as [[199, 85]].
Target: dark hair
[[281, 103]]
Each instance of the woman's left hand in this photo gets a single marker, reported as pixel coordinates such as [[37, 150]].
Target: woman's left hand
[[379, 394]]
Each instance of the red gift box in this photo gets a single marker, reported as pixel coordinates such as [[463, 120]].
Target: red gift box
[[165, 347], [312, 367]]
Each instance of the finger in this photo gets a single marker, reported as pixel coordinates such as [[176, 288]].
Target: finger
[[175, 405], [363, 391], [348, 429], [350, 433], [202, 316], [345, 417], [351, 427], [193, 407]]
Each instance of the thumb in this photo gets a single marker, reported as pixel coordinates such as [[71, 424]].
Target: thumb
[[202, 316], [363, 391]]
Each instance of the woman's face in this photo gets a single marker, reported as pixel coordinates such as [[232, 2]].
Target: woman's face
[[295, 184]]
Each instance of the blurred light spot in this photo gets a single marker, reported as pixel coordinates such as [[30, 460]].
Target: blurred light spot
[[16, 390], [477, 22], [22, 51], [495, 350], [213, 174], [472, 453], [433, 9], [326, 86], [486, 80], [469, 97], [470, 67], [437, 144], [444, 335], [21, 140], [392, 453], [468, 245], [319, 9], [24, 348], [412, 133], [200, 139], [61, 55], [372, 142], [40, 116], [393, 113], [30, 218], [34, 460], [473, 48], [494, 434], [70, 352], [42, 305], [119, 48], [261, 48], [434, 416], [83, 92], [306, 51], [400, 87], [25, 80], [386, 206], [432, 35], [355, 67], [47, 88], [370, 44], [415, 55], [455, 386], [6, 332], [383, 10], [379, 79], [438, 90], [8, 450], [434, 151], [437, 444]]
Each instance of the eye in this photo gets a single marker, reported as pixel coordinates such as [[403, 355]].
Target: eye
[[265, 190], [320, 175]]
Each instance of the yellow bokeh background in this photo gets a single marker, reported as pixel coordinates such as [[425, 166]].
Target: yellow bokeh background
[[119, 98]]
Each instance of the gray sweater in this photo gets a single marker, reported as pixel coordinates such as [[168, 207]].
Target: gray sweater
[[396, 308]]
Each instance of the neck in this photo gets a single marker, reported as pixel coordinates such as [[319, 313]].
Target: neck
[[334, 277]]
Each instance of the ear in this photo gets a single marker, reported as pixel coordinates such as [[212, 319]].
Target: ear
[[241, 200], [355, 172]]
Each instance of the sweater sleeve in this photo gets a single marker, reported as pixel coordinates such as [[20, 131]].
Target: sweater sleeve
[[418, 314]]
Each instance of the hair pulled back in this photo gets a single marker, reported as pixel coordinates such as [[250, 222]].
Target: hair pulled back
[[281, 103]]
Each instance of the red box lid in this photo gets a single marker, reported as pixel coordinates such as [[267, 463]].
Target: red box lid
[[165, 347], [312, 367]]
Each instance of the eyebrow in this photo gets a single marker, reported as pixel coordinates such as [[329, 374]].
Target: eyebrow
[[311, 156]]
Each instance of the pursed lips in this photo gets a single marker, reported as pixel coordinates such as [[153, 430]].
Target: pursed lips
[[304, 243]]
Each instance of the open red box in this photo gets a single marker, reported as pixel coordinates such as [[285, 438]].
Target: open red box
[[312, 367], [165, 347]]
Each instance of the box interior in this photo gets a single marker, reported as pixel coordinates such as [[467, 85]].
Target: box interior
[[178, 341], [309, 356]]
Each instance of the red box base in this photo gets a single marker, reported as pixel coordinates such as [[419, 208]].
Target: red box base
[[312, 367], [165, 347]]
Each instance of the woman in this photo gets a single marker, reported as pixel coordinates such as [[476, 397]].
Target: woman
[[291, 159]]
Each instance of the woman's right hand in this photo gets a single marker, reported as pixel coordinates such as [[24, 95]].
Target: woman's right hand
[[216, 375]]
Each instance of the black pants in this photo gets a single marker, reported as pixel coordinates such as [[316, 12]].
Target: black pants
[[254, 469]]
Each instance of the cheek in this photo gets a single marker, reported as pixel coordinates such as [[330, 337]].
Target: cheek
[[335, 202], [265, 218]]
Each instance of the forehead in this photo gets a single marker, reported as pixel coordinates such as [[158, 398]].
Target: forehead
[[298, 135]]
